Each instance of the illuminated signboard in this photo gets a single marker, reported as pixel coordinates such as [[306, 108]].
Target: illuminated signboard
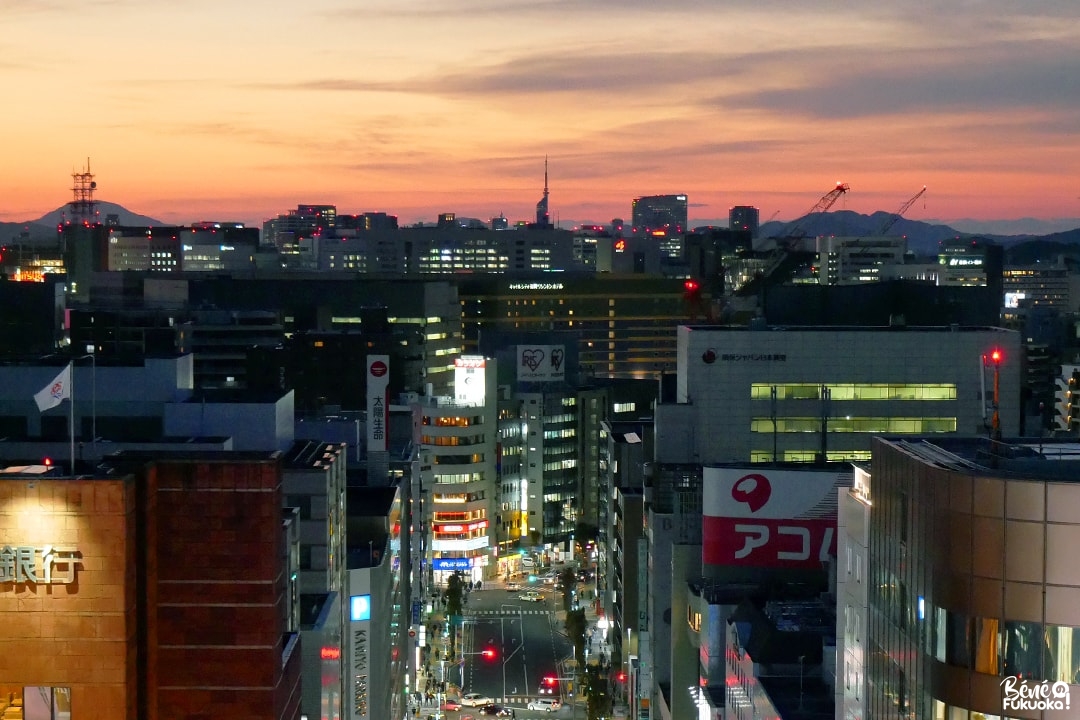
[[1012, 299], [470, 379], [359, 670], [769, 518], [479, 525], [537, 286], [541, 363], [330, 653], [460, 545], [452, 563], [360, 608], [378, 379], [47, 565]]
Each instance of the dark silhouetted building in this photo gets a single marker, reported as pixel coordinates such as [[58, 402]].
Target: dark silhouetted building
[[744, 217]]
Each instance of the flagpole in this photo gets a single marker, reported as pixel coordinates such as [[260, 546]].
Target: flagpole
[[93, 403], [71, 415]]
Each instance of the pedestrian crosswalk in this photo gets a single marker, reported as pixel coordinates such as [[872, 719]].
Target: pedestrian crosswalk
[[475, 613], [508, 700]]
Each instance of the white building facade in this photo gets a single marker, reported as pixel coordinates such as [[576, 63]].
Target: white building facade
[[457, 439], [794, 394]]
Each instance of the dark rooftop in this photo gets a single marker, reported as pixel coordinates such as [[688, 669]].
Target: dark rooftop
[[305, 454], [851, 328], [1022, 458]]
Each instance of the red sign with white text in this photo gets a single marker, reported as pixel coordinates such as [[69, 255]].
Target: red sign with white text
[[769, 518], [768, 543]]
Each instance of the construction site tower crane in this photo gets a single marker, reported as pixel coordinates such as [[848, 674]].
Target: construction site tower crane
[[900, 213], [797, 232]]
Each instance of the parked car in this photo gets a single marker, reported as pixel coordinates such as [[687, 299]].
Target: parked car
[[545, 704], [475, 700]]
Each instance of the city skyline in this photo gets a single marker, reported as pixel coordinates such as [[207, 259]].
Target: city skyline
[[421, 108]]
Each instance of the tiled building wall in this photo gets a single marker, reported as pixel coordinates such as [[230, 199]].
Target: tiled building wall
[[219, 601], [79, 636]]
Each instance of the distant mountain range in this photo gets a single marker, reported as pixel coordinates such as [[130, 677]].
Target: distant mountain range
[[923, 238], [42, 231]]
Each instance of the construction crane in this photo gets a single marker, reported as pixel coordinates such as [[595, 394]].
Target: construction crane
[[900, 213], [797, 232], [787, 258]]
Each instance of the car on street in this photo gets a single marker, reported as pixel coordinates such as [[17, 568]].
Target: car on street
[[545, 704], [513, 587], [496, 710], [475, 700], [450, 705], [531, 596]]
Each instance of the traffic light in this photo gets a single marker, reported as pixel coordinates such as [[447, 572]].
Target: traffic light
[[550, 681], [488, 653], [621, 676], [996, 356], [691, 286]]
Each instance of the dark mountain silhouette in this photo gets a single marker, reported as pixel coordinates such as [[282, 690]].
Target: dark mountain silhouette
[[42, 231], [126, 216], [923, 238]]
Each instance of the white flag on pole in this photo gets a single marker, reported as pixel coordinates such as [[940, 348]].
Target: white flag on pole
[[56, 391]]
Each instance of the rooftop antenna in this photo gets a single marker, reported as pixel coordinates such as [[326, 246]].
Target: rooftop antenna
[[83, 208]]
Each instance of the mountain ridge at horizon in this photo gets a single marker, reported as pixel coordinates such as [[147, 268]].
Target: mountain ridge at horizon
[[923, 235]]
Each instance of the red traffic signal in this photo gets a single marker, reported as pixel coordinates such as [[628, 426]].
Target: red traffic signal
[[621, 677], [488, 653], [691, 286], [550, 681], [996, 356]]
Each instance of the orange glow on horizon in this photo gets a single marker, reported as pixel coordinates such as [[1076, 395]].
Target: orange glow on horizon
[[424, 122]]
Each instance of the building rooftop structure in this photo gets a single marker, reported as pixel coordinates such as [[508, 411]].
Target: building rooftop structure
[[1014, 458]]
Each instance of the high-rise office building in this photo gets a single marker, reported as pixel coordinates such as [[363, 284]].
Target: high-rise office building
[[659, 212], [622, 326], [744, 217], [788, 395], [662, 217]]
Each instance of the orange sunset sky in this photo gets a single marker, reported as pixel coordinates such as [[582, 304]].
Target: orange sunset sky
[[229, 110]]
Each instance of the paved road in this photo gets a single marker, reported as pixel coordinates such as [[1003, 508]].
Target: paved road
[[527, 639]]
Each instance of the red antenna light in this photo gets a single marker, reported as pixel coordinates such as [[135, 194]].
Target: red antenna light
[[996, 356]]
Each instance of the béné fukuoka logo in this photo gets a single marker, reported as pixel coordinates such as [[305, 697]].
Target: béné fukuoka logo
[[1019, 694]]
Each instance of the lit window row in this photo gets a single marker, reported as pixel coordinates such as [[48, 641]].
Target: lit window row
[[460, 477], [883, 425], [855, 391], [766, 456]]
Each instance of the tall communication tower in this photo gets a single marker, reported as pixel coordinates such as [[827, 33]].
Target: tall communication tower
[[82, 209]]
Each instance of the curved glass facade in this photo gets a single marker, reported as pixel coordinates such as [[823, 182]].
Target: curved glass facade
[[973, 578]]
